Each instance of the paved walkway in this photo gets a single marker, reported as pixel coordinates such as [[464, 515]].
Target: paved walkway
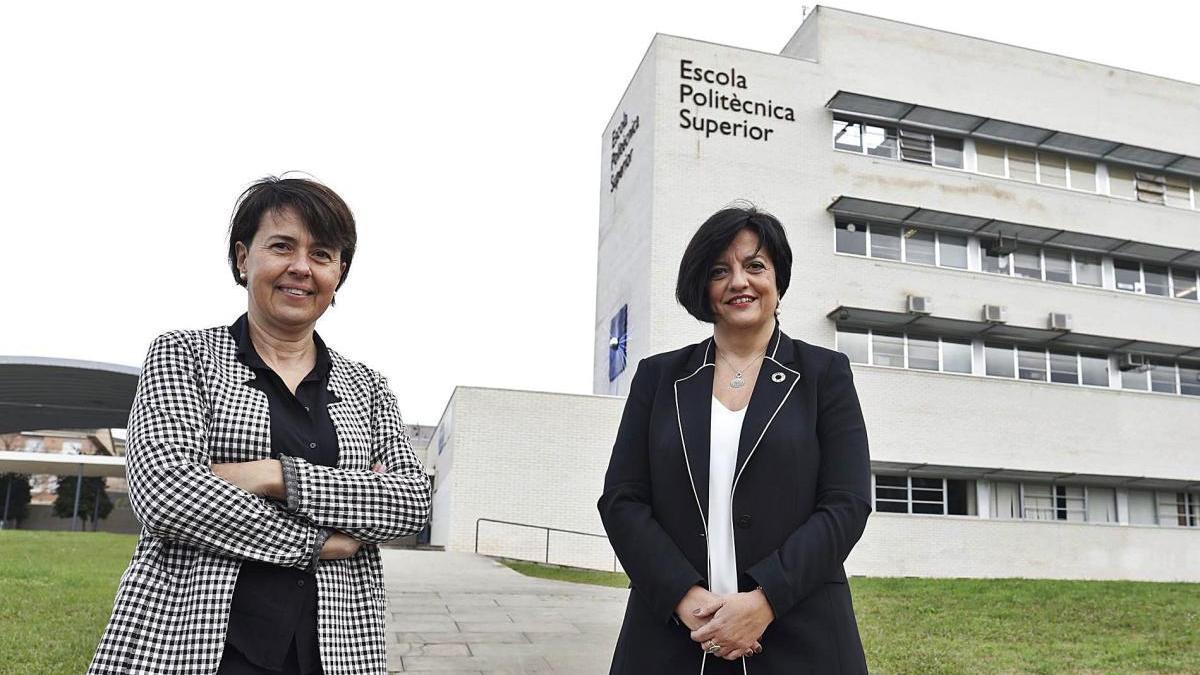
[[462, 613]]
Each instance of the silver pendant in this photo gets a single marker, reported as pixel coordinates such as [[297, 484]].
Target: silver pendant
[[737, 382]]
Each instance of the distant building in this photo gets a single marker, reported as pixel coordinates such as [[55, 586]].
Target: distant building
[[1005, 243]]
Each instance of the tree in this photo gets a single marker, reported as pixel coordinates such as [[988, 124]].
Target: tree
[[14, 496], [93, 492]]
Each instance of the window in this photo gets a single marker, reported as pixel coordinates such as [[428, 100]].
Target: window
[[956, 356], [891, 494], [853, 343], [1053, 168], [1027, 262], [887, 349], [952, 250], [925, 495], [1022, 164], [948, 152], [1184, 283], [999, 360], [1178, 192], [1101, 505], [1134, 379], [1151, 187], [1088, 270], [1162, 377], [916, 146], [1031, 364], [1054, 502], [1189, 380], [1083, 175], [1006, 501], [1142, 508], [1155, 280], [851, 238], [1129, 275], [847, 135], [1064, 368], [1058, 265], [885, 242], [989, 158], [879, 141], [995, 264], [1093, 369], [1120, 182], [1178, 509], [920, 246], [922, 353]]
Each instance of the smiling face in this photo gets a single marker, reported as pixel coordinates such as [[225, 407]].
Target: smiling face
[[741, 284], [290, 278]]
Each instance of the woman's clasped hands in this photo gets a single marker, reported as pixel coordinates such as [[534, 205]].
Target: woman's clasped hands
[[728, 626]]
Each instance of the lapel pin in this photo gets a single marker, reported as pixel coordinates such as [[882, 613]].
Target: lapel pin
[[778, 377]]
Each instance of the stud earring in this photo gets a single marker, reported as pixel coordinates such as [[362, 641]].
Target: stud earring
[[243, 276]]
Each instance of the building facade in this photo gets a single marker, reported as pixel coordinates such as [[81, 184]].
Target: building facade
[[1004, 242]]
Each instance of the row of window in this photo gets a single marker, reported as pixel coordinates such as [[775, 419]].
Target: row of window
[[928, 247], [1016, 163], [951, 355], [1034, 501]]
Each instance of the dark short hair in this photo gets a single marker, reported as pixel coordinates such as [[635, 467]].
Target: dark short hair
[[322, 211], [711, 240]]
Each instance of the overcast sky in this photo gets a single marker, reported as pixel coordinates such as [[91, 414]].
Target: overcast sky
[[465, 138]]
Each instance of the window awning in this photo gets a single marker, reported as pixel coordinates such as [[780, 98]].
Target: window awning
[[863, 318], [912, 216], [985, 128], [1003, 474]]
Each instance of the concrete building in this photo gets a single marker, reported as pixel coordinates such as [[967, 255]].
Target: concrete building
[[1004, 242]]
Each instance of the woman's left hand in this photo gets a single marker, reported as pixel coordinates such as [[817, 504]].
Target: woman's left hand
[[263, 477], [736, 625]]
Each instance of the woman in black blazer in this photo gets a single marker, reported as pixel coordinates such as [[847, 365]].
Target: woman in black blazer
[[739, 480]]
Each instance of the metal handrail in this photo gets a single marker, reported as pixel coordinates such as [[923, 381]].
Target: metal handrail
[[548, 530]]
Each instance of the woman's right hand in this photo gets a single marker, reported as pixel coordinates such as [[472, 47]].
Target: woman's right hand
[[696, 600], [340, 546]]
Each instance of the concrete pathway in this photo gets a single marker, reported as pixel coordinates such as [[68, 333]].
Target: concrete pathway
[[463, 613]]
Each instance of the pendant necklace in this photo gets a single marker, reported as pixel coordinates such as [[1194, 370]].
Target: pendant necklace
[[738, 381]]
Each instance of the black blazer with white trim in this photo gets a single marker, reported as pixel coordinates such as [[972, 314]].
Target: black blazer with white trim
[[801, 497]]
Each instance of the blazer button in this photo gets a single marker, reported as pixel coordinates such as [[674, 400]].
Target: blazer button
[[744, 522]]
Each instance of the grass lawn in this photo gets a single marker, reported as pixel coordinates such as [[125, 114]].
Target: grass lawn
[[56, 592], [1008, 625]]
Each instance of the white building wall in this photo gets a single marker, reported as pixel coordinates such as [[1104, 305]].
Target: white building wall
[[948, 546], [533, 458]]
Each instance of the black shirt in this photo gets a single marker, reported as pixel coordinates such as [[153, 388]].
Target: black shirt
[[274, 606]]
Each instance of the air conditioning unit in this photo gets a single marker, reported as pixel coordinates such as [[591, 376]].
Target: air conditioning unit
[[920, 304], [1132, 362], [1001, 245], [995, 313], [1060, 321]]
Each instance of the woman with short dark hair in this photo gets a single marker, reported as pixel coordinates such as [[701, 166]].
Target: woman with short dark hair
[[739, 480], [265, 468]]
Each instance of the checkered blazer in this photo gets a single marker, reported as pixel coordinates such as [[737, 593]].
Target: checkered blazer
[[194, 408]]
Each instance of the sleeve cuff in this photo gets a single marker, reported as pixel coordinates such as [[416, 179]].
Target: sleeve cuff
[[291, 484], [322, 535]]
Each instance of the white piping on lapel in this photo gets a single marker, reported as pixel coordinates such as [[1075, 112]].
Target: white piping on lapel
[[765, 427], [688, 463]]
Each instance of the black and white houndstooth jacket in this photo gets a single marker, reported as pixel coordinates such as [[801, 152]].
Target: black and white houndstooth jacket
[[194, 408]]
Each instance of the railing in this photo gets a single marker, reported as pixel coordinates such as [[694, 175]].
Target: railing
[[549, 530]]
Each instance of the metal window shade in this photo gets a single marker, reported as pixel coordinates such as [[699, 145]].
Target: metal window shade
[[852, 207], [1189, 166], [916, 146], [940, 220], [1010, 132], [1142, 157], [1080, 146], [942, 120], [868, 106]]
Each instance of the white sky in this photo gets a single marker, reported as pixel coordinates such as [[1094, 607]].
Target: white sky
[[465, 138]]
